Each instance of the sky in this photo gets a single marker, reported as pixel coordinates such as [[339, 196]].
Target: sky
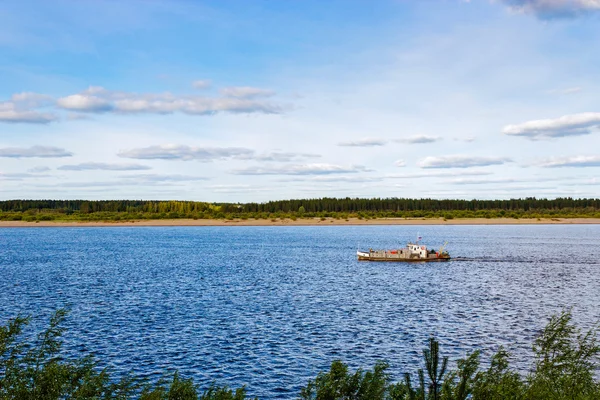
[[251, 101]]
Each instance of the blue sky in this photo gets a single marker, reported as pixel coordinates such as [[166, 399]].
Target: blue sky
[[263, 100]]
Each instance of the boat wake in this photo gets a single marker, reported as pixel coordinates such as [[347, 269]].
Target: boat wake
[[521, 260]]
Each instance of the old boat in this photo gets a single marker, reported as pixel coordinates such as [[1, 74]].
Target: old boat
[[411, 253]]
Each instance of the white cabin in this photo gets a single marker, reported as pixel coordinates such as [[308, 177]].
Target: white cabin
[[418, 250]]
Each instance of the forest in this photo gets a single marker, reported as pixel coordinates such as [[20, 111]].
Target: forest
[[119, 210]]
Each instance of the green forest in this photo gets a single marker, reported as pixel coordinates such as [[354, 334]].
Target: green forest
[[564, 365], [125, 210]]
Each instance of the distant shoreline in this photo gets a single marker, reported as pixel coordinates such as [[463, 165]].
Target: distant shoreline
[[304, 222]]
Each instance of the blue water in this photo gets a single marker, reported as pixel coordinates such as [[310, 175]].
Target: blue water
[[270, 307]]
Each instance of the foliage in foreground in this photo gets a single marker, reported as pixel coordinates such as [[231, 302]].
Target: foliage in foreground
[[565, 362], [37, 370]]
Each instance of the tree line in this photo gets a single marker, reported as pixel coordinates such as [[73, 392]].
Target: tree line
[[347, 205], [405, 204]]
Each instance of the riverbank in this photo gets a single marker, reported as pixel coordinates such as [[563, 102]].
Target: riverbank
[[305, 222]]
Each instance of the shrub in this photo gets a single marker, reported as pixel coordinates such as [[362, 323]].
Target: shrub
[[38, 371], [565, 367]]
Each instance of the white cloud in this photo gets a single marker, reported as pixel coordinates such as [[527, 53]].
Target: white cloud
[[201, 84], [30, 99], [246, 92], [400, 163], [547, 9], [10, 113], [186, 153], [418, 139], [24, 107], [460, 161], [20, 176], [38, 169], [167, 104], [567, 125], [283, 156], [366, 142], [574, 161], [89, 166], [34, 151], [301, 169], [84, 103]]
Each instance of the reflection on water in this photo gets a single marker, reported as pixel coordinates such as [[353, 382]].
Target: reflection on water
[[269, 307]]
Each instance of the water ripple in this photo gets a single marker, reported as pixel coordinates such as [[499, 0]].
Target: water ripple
[[270, 307]]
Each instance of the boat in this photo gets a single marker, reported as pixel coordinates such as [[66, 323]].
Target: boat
[[413, 252]]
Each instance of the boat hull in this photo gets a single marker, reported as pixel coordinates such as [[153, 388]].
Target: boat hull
[[411, 253], [410, 260], [403, 259]]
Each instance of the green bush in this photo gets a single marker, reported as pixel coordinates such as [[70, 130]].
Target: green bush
[[37, 370], [565, 366]]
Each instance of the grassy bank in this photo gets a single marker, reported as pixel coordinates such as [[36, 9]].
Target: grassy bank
[[564, 363], [104, 216]]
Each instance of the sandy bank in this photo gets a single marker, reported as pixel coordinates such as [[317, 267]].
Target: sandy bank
[[305, 222]]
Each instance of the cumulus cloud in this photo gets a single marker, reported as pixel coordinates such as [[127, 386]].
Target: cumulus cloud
[[567, 125], [459, 161], [366, 142], [301, 169], [30, 99], [400, 163], [186, 153], [284, 156], [548, 9], [246, 92], [34, 151], [168, 104], [25, 107], [10, 112], [89, 166], [418, 139], [574, 161], [201, 84], [84, 103]]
